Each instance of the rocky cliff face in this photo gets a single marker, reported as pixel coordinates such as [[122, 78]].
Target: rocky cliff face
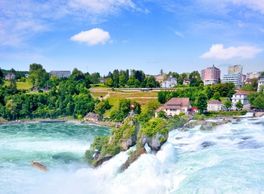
[[154, 133]]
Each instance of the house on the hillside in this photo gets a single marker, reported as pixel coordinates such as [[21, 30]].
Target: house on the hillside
[[260, 83], [61, 74], [241, 96], [186, 82], [92, 117], [169, 83], [214, 105], [175, 106], [160, 78], [10, 76]]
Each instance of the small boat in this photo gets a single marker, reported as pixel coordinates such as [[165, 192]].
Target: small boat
[[39, 166]]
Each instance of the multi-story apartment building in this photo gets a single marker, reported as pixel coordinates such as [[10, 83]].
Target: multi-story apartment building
[[211, 75], [234, 76]]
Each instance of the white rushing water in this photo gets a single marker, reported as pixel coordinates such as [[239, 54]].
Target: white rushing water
[[228, 159]]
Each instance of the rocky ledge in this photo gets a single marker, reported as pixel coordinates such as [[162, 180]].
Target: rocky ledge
[[154, 133]]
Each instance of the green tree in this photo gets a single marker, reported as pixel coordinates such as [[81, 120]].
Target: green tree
[[11, 107], [77, 75], [123, 78], [12, 88], [109, 82], [257, 100], [248, 87], [122, 112], [1, 77], [83, 104], [239, 105], [115, 77], [162, 114], [209, 92], [149, 111], [38, 75], [150, 82], [202, 102], [216, 96], [133, 82], [101, 107], [228, 104], [195, 79], [95, 78]]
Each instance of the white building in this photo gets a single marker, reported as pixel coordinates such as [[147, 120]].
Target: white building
[[260, 84], [241, 96], [236, 79], [253, 75], [214, 105], [175, 106], [61, 74], [169, 83], [10, 76]]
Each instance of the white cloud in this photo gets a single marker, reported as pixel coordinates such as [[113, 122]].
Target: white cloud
[[256, 5], [22, 19], [92, 37], [217, 51]]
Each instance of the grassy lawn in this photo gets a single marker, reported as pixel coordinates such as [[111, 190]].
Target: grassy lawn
[[114, 96], [20, 85]]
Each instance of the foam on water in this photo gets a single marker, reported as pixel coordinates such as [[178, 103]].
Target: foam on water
[[228, 159]]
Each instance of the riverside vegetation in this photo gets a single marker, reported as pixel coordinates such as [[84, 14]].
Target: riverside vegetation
[[51, 97]]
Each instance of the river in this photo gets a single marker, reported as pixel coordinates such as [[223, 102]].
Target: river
[[228, 159]]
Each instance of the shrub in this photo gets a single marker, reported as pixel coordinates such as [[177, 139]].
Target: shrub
[[155, 126]]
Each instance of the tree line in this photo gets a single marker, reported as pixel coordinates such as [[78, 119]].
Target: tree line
[[130, 79], [64, 97]]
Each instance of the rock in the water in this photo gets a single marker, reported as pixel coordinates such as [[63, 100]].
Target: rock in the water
[[207, 126], [133, 157], [39, 166], [207, 144], [157, 141], [154, 142], [101, 160]]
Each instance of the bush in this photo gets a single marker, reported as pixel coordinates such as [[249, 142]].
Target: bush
[[155, 126], [148, 112], [177, 121], [99, 142]]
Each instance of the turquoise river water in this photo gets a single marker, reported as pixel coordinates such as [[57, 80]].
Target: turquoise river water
[[228, 159]]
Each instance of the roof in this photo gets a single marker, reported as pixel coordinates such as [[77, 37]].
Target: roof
[[214, 102], [177, 103], [242, 92]]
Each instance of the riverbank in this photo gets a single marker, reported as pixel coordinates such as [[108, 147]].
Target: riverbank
[[40, 120]]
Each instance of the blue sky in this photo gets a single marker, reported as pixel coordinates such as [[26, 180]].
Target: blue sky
[[102, 35]]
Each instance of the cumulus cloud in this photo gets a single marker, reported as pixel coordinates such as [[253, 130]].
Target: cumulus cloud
[[218, 51], [92, 37]]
